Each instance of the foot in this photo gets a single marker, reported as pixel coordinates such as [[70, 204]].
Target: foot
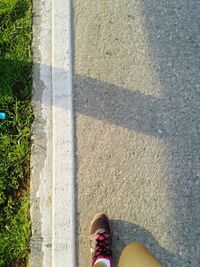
[[100, 240]]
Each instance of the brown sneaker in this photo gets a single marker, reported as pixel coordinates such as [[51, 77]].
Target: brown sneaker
[[100, 239]]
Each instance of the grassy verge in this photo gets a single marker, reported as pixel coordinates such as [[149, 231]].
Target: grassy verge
[[15, 130]]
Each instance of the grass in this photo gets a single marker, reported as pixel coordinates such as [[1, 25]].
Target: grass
[[15, 131]]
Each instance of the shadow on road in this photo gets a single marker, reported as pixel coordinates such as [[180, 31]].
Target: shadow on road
[[173, 33], [125, 233], [178, 126]]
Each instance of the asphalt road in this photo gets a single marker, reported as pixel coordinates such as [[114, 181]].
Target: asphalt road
[[137, 104]]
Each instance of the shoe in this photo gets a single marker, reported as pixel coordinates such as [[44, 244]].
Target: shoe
[[101, 239]]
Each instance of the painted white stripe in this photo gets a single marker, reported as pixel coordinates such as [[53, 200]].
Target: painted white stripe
[[63, 210], [52, 160]]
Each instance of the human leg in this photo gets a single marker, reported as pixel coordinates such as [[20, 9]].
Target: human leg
[[136, 255]]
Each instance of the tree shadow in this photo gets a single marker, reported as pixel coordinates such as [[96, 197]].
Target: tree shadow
[[173, 32], [178, 128]]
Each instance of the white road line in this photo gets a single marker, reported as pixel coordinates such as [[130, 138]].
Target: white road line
[[63, 154], [52, 160]]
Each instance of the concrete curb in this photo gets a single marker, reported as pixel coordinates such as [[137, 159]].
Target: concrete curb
[[52, 160]]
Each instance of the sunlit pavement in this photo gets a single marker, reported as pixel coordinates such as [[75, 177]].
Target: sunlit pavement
[[137, 104]]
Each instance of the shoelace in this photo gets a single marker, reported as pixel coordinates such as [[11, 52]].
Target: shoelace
[[103, 245]]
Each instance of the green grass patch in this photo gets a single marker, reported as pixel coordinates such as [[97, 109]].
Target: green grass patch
[[15, 130]]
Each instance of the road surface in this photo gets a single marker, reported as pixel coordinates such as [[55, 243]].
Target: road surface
[[137, 105]]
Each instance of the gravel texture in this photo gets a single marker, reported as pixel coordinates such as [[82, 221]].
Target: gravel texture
[[137, 104]]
